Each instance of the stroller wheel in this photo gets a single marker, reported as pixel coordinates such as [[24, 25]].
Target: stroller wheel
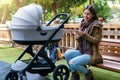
[[11, 76], [61, 72]]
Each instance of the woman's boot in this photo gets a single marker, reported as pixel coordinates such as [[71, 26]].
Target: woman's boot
[[89, 76], [75, 76]]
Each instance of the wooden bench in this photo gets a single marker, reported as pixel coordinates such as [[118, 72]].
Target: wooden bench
[[109, 47], [110, 51]]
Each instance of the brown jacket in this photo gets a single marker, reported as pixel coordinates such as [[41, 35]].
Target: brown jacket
[[95, 39]]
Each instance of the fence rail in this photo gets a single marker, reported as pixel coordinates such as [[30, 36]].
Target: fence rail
[[111, 31], [4, 33]]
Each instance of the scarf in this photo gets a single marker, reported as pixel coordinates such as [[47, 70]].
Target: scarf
[[84, 45]]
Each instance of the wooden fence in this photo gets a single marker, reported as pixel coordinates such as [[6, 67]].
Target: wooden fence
[[4, 33], [111, 31]]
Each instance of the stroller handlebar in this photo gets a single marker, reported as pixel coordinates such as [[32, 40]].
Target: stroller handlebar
[[64, 16], [65, 19]]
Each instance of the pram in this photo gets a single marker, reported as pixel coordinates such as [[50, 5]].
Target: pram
[[28, 30]]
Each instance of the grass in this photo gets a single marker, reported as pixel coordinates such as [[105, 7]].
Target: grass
[[8, 54]]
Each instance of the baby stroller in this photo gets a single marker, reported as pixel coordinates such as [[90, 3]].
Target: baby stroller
[[27, 30]]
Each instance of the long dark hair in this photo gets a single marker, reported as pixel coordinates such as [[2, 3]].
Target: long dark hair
[[91, 8]]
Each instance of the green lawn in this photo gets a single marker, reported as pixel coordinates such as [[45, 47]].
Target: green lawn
[[8, 54]]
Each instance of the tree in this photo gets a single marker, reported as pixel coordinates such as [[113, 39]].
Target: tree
[[52, 5], [5, 14], [19, 3], [5, 11], [91, 1], [102, 8], [56, 6]]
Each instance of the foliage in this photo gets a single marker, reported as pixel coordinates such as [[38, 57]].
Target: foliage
[[11, 11], [52, 7], [77, 11], [10, 6], [1, 9], [102, 8]]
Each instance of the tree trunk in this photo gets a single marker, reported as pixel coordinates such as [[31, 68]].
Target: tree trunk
[[5, 14], [19, 3], [91, 1], [54, 9]]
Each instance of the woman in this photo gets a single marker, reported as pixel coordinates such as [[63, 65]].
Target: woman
[[88, 36]]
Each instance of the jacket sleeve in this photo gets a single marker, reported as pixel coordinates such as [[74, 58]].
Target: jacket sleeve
[[96, 36]]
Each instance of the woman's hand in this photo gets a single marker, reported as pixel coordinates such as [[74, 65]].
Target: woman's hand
[[79, 33], [75, 34]]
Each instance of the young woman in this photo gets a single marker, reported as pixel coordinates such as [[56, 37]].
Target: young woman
[[88, 36]]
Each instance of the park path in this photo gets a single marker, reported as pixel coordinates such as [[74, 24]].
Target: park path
[[4, 69]]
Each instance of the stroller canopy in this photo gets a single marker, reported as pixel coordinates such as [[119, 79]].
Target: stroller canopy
[[26, 26], [27, 16]]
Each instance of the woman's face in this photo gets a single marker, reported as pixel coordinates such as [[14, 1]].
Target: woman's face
[[87, 15]]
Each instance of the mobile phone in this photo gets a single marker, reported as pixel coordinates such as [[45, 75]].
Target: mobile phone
[[76, 31]]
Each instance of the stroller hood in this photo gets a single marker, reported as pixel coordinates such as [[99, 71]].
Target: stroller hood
[[28, 15]]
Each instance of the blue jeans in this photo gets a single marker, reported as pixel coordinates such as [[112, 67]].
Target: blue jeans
[[78, 59]]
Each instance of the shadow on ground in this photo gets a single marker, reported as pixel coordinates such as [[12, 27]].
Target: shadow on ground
[[5, 67]]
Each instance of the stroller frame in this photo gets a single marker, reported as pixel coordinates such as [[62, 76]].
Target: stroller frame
[[35, 67]]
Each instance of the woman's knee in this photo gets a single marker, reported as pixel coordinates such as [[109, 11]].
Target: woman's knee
[[79, 60], [67, 53], [72, 63], [72, 53]]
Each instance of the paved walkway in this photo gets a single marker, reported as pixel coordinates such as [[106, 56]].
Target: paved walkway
[[4, 69]]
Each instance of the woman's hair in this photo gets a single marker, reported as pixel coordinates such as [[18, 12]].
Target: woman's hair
[[91, 8]]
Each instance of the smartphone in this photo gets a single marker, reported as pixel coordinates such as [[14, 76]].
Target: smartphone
[[76, 31]]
